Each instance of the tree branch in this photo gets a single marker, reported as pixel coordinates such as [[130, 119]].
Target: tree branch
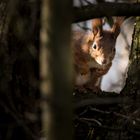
[[105, 9]]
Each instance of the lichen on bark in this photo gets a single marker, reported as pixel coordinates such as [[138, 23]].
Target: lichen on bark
[[132, 82]]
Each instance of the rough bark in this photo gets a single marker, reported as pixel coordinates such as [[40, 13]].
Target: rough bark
[[133, 84]]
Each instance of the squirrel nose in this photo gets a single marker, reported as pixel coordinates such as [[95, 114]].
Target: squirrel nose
[[104, 61]]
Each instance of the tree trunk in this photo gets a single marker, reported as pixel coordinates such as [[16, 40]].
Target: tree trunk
[[133, 84]]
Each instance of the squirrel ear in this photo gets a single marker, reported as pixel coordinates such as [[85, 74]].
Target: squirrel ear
[[97, 27], [88, 37], [116, 28]]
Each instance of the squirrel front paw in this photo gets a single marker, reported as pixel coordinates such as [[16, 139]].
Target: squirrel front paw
[[80, 89], [95, 89]]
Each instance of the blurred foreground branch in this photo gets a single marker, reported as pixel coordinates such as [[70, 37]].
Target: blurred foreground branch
[[56, 69]]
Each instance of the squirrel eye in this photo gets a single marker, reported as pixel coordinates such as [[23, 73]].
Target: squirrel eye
[[114, 49], [94, 46]]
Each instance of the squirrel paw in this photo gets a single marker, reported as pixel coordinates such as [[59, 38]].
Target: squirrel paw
[[80, 89]]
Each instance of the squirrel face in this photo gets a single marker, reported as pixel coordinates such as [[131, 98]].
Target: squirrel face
[[102, 48]]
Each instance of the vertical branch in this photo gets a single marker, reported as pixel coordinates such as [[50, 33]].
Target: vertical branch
[[45, 80], [56, 69]]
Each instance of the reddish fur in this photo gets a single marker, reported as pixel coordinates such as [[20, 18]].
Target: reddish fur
[[85, 56]]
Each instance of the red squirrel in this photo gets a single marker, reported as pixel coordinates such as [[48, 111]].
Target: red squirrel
[[93, 53]]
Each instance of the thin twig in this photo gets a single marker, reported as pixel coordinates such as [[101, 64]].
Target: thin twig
[[114, 113], [91, 120]]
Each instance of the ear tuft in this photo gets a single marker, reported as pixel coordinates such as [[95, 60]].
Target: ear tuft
[[97, 26], [117, 26]]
